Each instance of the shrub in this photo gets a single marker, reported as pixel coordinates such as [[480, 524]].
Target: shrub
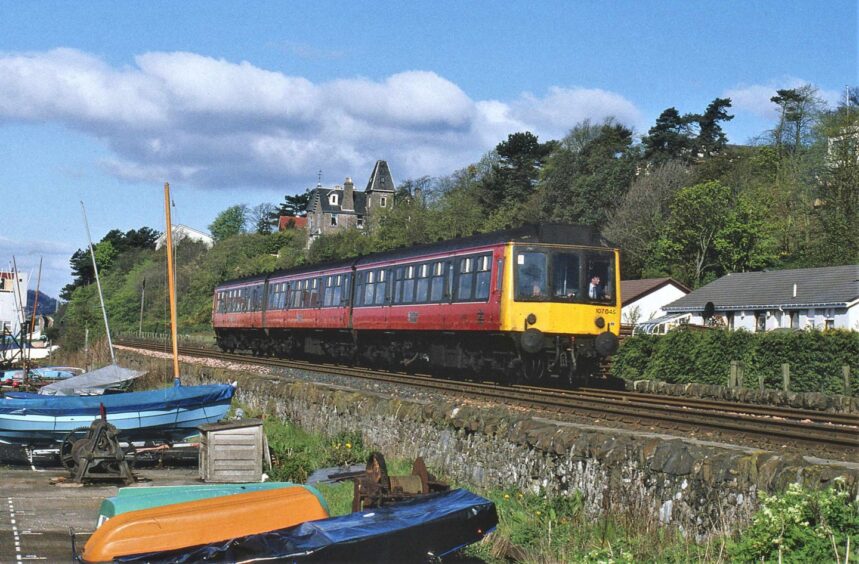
[[687, 356], [800, 525]]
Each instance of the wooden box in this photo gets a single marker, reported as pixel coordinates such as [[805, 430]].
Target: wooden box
[[232, 451]]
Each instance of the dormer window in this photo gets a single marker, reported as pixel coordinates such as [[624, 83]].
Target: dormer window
[[332, 199], [383, 202]]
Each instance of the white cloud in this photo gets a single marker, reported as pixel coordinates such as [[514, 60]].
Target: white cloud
[[210, 122]]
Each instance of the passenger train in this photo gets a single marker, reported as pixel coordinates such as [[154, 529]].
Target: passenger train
[[525, 304]]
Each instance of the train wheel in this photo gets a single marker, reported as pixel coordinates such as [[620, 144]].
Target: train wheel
[[533, 367]]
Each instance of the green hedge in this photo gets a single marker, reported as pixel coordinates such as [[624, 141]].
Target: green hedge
[[687, 356]]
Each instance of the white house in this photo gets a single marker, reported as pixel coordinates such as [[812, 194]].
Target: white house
[[13, 296], [805, 298], [644, 299], [181, 232]]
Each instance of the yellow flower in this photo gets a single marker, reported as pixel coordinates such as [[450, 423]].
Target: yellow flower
[[506, 496], [538, 514], [348, 445]]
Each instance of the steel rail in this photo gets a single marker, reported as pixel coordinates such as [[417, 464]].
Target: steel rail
[[670, 416]]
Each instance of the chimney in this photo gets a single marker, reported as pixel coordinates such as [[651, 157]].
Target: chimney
[[348, 195]]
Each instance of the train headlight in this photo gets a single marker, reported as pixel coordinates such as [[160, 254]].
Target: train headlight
[[531, 319], [600, 321]]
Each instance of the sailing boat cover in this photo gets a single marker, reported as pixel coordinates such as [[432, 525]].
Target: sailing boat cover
[[92, 383], [415, 530]]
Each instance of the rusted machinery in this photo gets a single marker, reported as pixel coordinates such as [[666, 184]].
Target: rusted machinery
[[374, 487], [93, 453]]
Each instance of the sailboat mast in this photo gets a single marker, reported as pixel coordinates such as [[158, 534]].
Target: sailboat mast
[[98, 285], [171, 283], [35, 309]]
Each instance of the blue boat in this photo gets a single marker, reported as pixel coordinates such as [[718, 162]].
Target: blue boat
[[167, 414]]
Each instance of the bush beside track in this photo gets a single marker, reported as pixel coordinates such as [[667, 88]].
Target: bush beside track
[[704, 357]]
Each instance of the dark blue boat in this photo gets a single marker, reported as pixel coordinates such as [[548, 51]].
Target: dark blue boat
[[421, 529]]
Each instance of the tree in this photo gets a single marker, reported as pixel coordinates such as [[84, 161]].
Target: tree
[[294, 204], [263, 217], [516, 172], [585, 185], [798, 110], [229, 222], [670, 139], [711, 139], [639, 219], [698, 214]]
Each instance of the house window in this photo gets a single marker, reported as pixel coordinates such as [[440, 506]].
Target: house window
[[383, 201], [830, 324], [333, 220], [760, 321], [360, 221], [730, 319], [332, 199]]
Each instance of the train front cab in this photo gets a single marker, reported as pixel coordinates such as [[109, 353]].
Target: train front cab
[[557, 325]]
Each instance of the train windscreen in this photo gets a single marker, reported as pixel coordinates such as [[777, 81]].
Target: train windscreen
[[564, 276]]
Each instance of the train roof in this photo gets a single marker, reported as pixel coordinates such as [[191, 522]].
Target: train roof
[[546, 233]]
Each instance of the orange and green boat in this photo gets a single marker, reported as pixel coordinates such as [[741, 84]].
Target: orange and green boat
[[194, 523]]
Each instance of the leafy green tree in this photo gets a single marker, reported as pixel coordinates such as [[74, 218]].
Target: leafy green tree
[[670, 139], [516, 172], [294, 204], [799, 109], [711, 139], [698, 214], [229, 222], [585, 185]]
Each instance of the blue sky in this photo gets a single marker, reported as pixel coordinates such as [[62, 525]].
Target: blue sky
[[243, 102]]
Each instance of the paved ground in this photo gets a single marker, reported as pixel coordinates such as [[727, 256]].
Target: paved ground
[[35, 516]]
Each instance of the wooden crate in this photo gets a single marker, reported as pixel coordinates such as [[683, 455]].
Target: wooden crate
[[232, 451]]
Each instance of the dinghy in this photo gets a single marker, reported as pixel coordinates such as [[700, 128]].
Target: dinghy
[[167, 414]]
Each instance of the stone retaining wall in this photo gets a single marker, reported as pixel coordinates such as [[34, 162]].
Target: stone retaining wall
[[798, 400], [702, 487]]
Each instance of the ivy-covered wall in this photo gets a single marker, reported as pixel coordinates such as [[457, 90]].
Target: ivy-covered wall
[[683, 356]]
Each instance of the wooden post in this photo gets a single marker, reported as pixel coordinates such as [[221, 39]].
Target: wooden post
[[732, 377], [785, 377], [845, 373], [741, 377], [761, 381]]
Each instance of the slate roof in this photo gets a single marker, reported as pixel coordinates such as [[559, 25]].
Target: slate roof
[[319, 197], [826, 286], [631, 290], [380, 179]]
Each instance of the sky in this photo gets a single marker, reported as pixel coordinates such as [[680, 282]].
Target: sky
[[245, 102]]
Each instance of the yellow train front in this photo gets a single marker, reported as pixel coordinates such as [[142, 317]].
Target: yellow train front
[[561, 302]]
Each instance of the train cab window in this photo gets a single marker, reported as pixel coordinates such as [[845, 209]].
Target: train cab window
[[422, 290], [566, 271], [437, 283], [600, 274], [483, 277], [465, 279], [531, 276]]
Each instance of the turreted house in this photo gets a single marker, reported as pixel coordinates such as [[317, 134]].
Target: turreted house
[[340, 207]]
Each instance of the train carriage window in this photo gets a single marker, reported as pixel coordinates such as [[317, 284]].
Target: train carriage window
[[482, 278], [566, 275], [369, 288], [409, 285], [381, 286], [422, 290], [398, 285], [437, 284], [465, 279], [345, 295], [313, 294]]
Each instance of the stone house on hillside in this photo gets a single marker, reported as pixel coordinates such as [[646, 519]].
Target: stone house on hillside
[[332, 209], [804, 298]]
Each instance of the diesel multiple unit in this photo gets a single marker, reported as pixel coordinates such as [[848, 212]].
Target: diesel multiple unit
[[522, 304]]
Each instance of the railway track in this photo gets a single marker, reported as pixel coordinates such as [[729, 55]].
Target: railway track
[[811, 430]]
